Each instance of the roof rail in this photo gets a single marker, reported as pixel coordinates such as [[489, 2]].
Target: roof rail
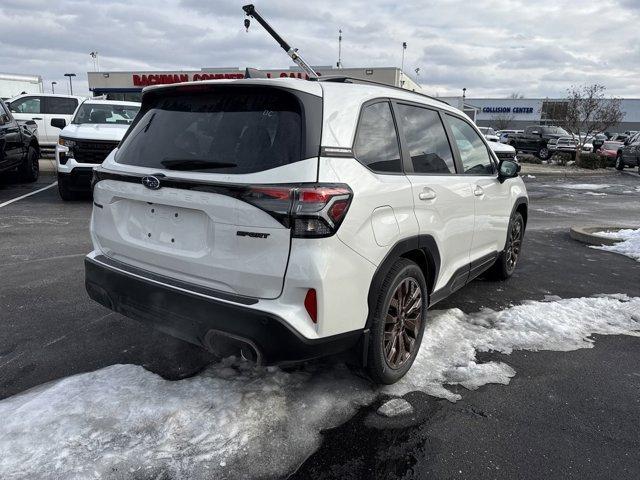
[[345, 79]]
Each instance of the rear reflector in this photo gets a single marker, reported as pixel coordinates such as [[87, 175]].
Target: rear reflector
[[311, 305]]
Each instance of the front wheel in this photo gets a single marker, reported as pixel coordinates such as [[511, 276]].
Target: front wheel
[[29, 170], [544, 153], [619, 162], [507, 260], [65, 192], [398, 323]]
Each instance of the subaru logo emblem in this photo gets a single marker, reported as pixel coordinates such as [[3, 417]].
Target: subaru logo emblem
[[151, 182]]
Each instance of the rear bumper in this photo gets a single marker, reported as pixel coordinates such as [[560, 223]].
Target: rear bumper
[[194, 316]]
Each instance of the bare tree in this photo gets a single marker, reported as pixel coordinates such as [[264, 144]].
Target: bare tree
[[589, 112], [516, 95], [502, 121]]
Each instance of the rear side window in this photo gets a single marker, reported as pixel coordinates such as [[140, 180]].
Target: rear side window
[[427, 140], [60, 105], [473, 152], [219, 130], [376, 144]]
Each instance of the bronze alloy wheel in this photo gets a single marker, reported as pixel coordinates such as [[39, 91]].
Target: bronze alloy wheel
[[514, 244], [402, 323]]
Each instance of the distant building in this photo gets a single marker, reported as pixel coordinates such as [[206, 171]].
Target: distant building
[[518, 113], [12, 84], [128, 85]]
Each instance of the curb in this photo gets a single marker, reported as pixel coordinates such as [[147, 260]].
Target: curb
[[631, 173], [587, 235]]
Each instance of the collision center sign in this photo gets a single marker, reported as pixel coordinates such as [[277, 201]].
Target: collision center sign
[[515, 110]]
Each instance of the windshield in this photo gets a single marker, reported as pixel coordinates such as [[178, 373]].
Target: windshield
[[222, 130], [554, 131], [105, 113]]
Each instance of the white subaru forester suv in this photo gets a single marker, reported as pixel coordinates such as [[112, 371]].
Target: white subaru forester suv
[[299, 218]]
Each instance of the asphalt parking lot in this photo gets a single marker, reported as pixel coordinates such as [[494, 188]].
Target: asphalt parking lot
[[564, 415]]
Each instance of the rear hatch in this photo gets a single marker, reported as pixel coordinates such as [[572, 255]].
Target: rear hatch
[[203, 184]]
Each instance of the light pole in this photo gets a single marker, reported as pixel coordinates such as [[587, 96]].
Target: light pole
[[53, 87], [70, 84], [404, 47], [464, 96], [339, 64], [417, 70]]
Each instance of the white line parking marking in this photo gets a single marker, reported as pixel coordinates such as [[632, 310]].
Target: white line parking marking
[[8, 202]]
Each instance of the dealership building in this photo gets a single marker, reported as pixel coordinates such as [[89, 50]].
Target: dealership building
[[128, 85], [489, 112], [518, 113]]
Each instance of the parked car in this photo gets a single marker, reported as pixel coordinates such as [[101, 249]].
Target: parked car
[[503, 151], [489, 133], [19, 147], [609, 150], [628, 154], [598, 140], [619, 137], [503, 135], [41, 108], [96, 129], [534, 140], [299, 218]]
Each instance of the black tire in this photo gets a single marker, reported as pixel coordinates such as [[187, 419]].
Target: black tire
[[29, 169], [619, 162], [507, 261], [543, 153], [65, 192], [392, 337]]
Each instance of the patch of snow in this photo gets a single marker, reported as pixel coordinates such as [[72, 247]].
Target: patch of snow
[[629, 244], [531, 176], [596, 194], [395, 407], [581, 186], [239, 421]]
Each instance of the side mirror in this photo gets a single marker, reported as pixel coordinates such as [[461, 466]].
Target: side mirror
[[508, 169], [31, 123], [4, 118], [58, 123]]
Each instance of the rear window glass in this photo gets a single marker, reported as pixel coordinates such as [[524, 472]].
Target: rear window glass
[[222, 130]]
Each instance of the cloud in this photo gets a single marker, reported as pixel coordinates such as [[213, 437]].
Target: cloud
[[490, 47]]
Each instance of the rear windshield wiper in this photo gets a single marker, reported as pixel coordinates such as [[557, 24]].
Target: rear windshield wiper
[[191, 164]]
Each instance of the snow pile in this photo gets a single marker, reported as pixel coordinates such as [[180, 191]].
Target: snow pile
[[596, 194], [629, 246], [582, 186], [238, 421]]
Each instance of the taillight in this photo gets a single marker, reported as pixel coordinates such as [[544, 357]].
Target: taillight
[[319, 210], [310, 210]]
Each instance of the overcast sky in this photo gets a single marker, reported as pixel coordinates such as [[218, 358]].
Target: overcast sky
[[491, 47]]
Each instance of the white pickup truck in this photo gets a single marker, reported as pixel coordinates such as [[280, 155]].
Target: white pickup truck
[[96, 129]]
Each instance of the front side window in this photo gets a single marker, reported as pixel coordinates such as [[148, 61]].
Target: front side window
[[26, 105], [427, 140], [61, 105], [105, 113], [475, 157], [376, 144]]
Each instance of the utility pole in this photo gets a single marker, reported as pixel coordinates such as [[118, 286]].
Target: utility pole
[[339, 64], [404, 47], [53, 87], [70, 84]]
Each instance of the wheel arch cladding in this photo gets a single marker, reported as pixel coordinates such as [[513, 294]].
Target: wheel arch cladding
[[421, 249], [522, 207]]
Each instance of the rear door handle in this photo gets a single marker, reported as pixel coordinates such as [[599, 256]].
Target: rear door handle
[[36, 118], [478, 191], [427, 194]]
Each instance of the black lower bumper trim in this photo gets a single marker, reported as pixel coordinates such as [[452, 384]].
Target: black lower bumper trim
[[78, 180], [192, 317]]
